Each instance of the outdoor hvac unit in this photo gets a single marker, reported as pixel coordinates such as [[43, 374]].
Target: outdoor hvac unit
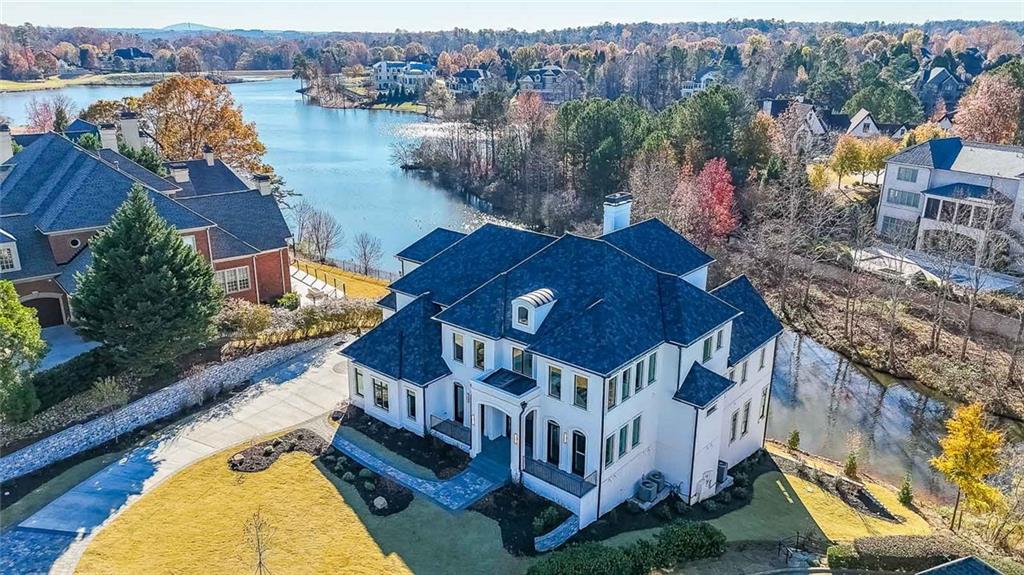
[[658, 478], [723, 469], [646, 491]]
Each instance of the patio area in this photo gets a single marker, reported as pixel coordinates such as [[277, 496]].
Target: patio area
[[64, 344]]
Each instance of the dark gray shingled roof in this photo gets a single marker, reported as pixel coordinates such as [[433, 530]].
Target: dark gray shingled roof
[[247, 215], [68, 278], [658, 246], [136, 171], [964, 566], [205, 180], [430, 245], [510, 382], [971, 157], [470, 262], [389, 301], [962, 191], [756, 326], [405, 346], [33, 249], [701, 386]]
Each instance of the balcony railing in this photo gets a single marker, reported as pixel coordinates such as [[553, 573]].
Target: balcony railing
[[568, 482], [452, 429]]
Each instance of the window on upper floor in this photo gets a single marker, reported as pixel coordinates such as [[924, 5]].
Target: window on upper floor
[[733, 424], [761, 361], [189, 240], [522, 361], [636, 431], [652, 368], [904, 174], [554, 382], [234, 279], [579, 398], [612, 398], [623, 440], [458, 351], [478, 354], [638, 376], [743, 372], [764, 403], [718, 339], [865, 127], [625, 389], [359, 383], [609, 450], [707, 350], [523, 315], [903, 198], [9, 258], [746, 418]]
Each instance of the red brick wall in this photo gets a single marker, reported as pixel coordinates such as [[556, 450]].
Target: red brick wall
[[272, 270], [28, 288], [61, 247], [202, 243], [249, 294]]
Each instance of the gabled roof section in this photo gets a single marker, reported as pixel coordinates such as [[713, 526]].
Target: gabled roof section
[[859, 117], [470, 262], [660, 247], [970, 565], [247, 215], [430, 245], [224, 245], [68, 278], [205, 179], [970, 157], [701, 386], [389, 301], [136, 171], [65, 187], [33, 249], [689, 312], [406, 346], [756, 326]]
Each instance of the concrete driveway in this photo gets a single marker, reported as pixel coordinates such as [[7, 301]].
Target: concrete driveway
[[64, 344]]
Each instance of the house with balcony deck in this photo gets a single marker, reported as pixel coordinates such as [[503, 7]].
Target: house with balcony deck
[[948, 185], [585, 363]]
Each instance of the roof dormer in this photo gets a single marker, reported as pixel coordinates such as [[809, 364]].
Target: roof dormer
[[529, 310]]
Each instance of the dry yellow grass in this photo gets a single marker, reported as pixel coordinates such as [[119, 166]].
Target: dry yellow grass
[[193, 523], [356, 285], [840, 522]]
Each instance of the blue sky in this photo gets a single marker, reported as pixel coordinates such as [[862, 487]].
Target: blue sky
[[384, 15]]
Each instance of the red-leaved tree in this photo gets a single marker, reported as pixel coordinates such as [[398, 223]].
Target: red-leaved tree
[[703, 206], [990, 111]]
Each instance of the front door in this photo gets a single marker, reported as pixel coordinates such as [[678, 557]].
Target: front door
[[579, 453], [460, 404], [553, 432]]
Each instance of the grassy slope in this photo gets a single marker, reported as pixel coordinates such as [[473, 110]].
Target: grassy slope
[[356, 285], [193, 523]]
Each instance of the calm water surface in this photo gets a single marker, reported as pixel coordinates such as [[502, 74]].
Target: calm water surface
[[341, 160]]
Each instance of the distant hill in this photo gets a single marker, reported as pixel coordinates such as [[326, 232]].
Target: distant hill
[[189, 27]]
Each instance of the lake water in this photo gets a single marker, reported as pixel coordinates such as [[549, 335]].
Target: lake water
[[341, 160]]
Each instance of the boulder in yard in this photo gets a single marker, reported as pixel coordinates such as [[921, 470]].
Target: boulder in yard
[[379, 503]]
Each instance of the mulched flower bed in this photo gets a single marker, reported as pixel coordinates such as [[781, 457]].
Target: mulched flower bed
[[849, 492], [516, 509], [625, 517], [261, 456], [368, 484], [442, 459]]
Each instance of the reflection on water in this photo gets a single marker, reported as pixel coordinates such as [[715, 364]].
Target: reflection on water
[[828, 399]]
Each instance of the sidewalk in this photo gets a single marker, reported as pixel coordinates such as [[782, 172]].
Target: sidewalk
[[53, 539]]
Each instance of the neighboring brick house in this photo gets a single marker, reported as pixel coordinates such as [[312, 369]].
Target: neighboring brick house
[[54, 195]]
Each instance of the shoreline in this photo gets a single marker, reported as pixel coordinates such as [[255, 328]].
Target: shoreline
[[128, 79]]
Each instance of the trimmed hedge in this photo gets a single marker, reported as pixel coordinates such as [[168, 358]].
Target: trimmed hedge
[[72, 377], [680, 541], [896, 553]]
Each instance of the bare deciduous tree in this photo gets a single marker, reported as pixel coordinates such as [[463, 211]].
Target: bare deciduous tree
[[322, 235], [259, 537], [367, 251]]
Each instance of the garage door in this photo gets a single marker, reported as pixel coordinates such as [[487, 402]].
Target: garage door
[[47, 310]]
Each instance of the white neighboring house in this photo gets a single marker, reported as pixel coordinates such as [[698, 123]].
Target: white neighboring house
[[587, 363], [816, 122], [863, 125], [948, 184], [554, 84], [412, 76], [702, 80], [470, 81]]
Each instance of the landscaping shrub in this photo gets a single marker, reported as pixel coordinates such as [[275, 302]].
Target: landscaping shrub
[[709, 505], [842, 557], [645, 556], [793, 443], [72, 377], [740, 479], [724, 498], [906, 552], [584, 559], [740, 493], [546, 520], [687, 540], [18, 401], [850, 469], [906, 493], [289, 301]]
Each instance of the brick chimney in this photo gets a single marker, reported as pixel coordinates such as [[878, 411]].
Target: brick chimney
[[130, 130], [108, 136], [208, 154], [617, 211], [6, 144], [262, 183]]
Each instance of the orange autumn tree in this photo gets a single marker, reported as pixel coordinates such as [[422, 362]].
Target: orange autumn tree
[[990, 111], [186, 112]]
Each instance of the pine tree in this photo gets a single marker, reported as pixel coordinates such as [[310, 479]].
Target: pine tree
[[147, 296], [906, 493]]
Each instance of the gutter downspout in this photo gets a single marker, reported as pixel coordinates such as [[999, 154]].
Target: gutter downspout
[[522, 439], [693, 456], [771, 382], [601, 445]]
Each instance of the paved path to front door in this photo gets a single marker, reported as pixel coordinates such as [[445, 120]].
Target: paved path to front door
[[64, 344], [485, 473], [52, 540]]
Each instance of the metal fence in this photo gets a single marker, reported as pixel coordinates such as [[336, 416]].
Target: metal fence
[[572, 484], [452, 429], [357, 268]]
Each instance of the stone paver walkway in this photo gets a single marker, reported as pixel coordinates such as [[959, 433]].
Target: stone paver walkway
[[53, 539], [557, 536], [453, 494]]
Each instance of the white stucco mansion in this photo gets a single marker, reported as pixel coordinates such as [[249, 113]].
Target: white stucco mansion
[[591, 361], [952, 185]]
